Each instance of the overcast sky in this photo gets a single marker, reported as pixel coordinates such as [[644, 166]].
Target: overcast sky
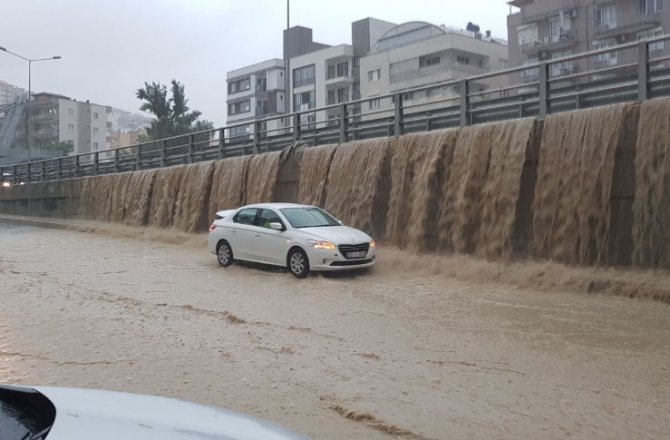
[[110, 47]]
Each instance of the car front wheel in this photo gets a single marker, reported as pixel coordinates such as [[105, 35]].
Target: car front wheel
[[298, 264], [224, 254]]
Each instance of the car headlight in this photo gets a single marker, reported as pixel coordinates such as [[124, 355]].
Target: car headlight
[[325, 245], [373, 244]]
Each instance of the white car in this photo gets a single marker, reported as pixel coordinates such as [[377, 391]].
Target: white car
[[47, 413], [298, 237]]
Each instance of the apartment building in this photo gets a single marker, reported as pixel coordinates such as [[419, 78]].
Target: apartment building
[[417, 54], [320, 75], [542, 30], [332, 75], [255, 92], [9, 93], [57, 119]]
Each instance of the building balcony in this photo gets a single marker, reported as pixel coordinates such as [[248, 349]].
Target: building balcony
[[565, 41], [643, 24], [336, 80]]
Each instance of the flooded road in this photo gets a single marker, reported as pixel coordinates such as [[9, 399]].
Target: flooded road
[[394, 353]]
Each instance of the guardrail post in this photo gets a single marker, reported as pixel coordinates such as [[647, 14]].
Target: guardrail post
[[138, 157], [163, 152], [465, 102], [29, 172], [343, 123], [76, 166], [117, 166], [60, 168], [643, 70], [296, 127], [397, 116], [96, 163], [191, 147], [257, 137], [544, 90], [44, 171], [15, 172], [222, 142]]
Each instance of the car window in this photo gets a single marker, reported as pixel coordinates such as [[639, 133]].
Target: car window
[[308, 217], [266, 217], [246, 216]]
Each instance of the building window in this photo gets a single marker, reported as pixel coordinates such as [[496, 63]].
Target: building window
[[240, 85], [656, 46], [343, 69], [531, 73], [95, 145], [648, 7], [357, 86], [374, 104], [239, 107], [95, 130], [357, 61], [528, 34], [560, 29], [70, 112], [607, 58], [460, 59], [562, 68], [304, 76], [303, 101], [429, 60], [70, 127], [375, 75], [343, 95], [605, 17], [95, 115]]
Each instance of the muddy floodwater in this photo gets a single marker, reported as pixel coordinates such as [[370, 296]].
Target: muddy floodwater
[[406, 351]]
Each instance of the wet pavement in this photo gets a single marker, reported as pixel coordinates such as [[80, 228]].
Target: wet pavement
[[393, 353]]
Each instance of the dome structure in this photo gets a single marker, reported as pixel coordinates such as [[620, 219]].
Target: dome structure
[[407, 33]]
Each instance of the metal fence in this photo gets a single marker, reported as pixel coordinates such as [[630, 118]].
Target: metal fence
[[579, 81]]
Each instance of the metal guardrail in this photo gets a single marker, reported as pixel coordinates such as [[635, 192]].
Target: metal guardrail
[[482, 98]]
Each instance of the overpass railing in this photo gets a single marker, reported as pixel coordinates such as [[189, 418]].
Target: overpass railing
[[628, 72]]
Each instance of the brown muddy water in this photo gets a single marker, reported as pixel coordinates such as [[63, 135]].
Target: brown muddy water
[[421, 347], [589, 187]]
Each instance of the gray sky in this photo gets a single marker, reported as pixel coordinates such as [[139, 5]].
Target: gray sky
[[111, 47]]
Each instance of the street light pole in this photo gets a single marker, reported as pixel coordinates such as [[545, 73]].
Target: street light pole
[[288, 76], [30, 69]]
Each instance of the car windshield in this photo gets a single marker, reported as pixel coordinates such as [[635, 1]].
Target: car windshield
[[308, 217]]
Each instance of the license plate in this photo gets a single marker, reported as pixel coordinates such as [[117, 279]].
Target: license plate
[[359, 254]]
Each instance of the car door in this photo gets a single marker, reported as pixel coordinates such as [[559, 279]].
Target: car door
[[242, 234], [270, 245]]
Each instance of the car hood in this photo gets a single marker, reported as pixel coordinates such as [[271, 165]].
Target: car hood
[[107, 415], [336, 234]]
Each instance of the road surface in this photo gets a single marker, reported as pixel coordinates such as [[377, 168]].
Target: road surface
[[401, 352]]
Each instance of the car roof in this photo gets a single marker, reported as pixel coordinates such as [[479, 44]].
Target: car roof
[[277, 205]]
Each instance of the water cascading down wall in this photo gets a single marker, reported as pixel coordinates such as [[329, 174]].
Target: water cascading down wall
[[583, 187]]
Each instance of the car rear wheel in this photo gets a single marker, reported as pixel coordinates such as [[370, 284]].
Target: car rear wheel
[[298, 264], [224, 254]]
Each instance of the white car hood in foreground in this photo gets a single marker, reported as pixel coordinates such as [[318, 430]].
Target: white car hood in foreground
[[105, 415], [336, 234]]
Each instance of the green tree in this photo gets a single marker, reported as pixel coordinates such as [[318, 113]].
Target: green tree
[[173, 116], [62, 148]]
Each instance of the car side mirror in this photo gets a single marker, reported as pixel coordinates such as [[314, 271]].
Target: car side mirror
[[276, 226]]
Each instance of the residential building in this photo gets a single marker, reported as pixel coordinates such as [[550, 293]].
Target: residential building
[[331, 75], [54, 119], [542, 30], [9, 93], [418, 54], [255, 92]]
